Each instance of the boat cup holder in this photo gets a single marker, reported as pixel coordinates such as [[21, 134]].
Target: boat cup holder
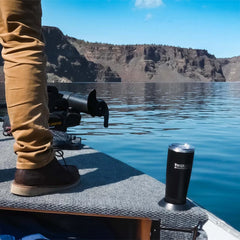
[[179, 168]]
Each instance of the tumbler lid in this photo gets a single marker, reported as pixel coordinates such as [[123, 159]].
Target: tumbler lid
[[181, 147]]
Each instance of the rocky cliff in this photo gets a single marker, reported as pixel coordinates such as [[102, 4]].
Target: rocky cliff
[[67, 65], [73, 60], [153, 62], [231, 68]]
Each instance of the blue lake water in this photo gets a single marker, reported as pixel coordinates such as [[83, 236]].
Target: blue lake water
[[146, 117]]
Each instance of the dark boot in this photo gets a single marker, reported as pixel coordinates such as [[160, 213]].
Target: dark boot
[[49, 179]]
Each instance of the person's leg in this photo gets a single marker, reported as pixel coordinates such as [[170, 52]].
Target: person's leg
[[38, 172], [25, 81]]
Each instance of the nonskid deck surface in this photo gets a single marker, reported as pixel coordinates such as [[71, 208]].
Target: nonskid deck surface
[[108, 188]]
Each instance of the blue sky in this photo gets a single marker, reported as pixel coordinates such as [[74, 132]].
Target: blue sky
[[213, 25]]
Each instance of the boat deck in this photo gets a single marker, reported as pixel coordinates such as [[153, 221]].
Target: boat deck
[[109, 188]]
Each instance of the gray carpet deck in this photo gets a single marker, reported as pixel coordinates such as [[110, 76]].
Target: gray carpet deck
[[108, 187]]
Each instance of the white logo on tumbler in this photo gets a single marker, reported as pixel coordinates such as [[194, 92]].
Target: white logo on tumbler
[[181, 166]]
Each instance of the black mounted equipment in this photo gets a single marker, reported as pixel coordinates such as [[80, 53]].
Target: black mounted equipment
[[90, 105]]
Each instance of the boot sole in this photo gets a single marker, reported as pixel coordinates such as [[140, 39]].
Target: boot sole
[[31, 191]]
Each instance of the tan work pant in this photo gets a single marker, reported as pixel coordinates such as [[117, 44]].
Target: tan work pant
[[25, 81]]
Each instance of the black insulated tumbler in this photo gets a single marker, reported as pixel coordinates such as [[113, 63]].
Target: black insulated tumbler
[[179, 168]]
